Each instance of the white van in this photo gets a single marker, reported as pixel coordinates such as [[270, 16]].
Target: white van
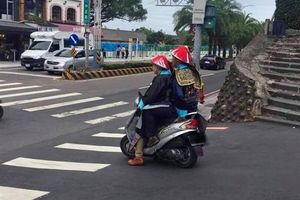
[[44, 45]]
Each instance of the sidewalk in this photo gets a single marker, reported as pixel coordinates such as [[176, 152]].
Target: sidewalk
[[9, 64]]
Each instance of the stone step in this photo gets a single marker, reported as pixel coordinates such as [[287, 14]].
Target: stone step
[[281, 77], [280, 69], [274, 119], [285, 86], [284, 59], [284, 103], [283, 53], [286, 114], [287, 44], [281, 64], [283, 49], [284, 94]]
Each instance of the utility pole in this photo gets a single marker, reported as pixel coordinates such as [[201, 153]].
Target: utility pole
[[198, 20], [21, 10], [98, 30], [86, 20]]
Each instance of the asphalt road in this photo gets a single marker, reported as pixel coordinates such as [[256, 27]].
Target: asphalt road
[[244, 161]]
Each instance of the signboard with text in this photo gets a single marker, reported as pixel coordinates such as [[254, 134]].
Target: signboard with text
[[86, 12], [199, 11]]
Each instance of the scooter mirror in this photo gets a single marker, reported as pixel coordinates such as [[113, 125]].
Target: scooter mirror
[[136, 102]]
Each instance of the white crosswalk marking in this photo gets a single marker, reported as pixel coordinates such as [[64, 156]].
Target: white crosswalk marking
[[1, 81], [91, 109], [109, 135], [28, 93], [10, 193], [9, 84], [19, 88], [55, 165], [85, 147], [109, 118], [58, 105], [13, 103], [122, 128]]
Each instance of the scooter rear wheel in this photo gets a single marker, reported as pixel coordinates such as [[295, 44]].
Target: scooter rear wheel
[[190, 158], [124, 145]]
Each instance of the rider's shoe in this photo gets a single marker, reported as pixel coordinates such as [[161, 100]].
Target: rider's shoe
[[136, 161]]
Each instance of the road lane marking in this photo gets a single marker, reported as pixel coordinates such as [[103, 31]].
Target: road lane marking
[[206, 75], [1, 81], [108, 135], [13, 103], [85, 147], [217, 128], [58, 105], [144, 87], [122, 128], [11, 193], [19, 88], [28, 93], [25, 74], [91, 109], [109, 118], [9, 84], [55, 165]]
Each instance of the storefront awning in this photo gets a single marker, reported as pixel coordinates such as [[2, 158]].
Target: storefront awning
[[13, 26]]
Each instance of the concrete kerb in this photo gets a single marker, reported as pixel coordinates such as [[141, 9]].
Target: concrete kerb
[[74, 75]]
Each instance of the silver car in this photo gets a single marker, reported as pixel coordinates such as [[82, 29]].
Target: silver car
[[64, 60]]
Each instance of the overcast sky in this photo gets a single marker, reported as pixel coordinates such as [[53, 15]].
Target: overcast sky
[[161, 18]]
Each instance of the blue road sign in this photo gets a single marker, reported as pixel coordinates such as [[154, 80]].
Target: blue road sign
[[74, 39]]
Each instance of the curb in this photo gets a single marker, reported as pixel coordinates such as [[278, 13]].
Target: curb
[[73, 75]]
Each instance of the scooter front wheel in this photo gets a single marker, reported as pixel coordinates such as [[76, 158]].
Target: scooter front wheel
[[124, 145], [190, 158]]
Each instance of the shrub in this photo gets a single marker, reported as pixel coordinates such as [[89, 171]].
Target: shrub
[[288, 11]]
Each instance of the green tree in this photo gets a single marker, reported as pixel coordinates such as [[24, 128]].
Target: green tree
[[288, 11], [156, 38], [129, 10]]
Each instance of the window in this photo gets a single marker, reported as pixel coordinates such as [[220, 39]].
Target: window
[[71, 15], [54, 46], [40, 45], [56, 13]]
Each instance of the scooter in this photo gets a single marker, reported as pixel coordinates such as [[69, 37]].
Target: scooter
[[180, 142], [1, 110]]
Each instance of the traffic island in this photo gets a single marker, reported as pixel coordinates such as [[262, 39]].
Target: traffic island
[[90, 74]]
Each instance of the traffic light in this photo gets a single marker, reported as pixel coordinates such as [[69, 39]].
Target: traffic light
[[92, 19], [210, 17]]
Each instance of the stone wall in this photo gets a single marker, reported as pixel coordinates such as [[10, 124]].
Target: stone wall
[[244, 92]]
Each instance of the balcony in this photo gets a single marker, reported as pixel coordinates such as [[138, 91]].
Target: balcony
[[64, 22]]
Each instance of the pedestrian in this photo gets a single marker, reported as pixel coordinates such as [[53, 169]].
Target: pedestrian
[[118, 51], [103, 53], [157, 95], [126, 52], [123, 52]]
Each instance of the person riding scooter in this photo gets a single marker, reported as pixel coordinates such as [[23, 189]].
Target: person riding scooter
[[157, 97], [186, 82]]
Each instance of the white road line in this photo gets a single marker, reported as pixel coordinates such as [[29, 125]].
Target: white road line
[[1, 81], [217, 128], [91, 109], [143, 87], [11, 193], [9, 84], [28, 93], [206, 75], [13, 103], [109, 118], [55, 165], [25, 74], [108, 135], [58, 105], [85, 147], [122, 128], [19, 88]]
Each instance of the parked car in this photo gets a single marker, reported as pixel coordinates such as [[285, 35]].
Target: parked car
[[212, 62], [64, 60]]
